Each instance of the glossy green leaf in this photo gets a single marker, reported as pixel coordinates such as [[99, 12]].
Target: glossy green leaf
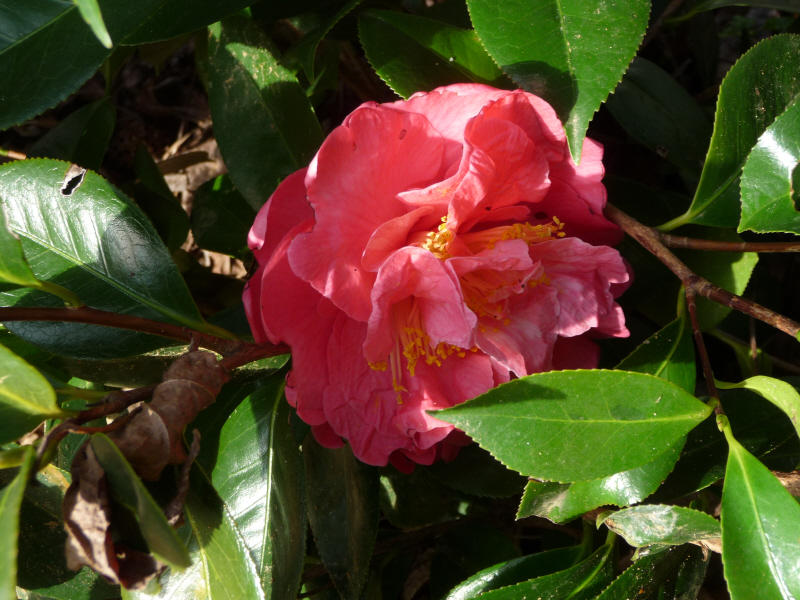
[[13, 457], [515, 571], [580, 582], [650, 524], [646, 576], [248, 90], [576, 425], [221, 217], [780, 393], [759, 87], [561, 502], [90, 238], [769, 201], [90, 12], [572, 53], [13, 267], [82, 137], [254, 463], [413, 54], [10, 502], [26, 398], [760, 530], [343, 513], [668, 354], [128, 489], [222, 568], [660, 114]]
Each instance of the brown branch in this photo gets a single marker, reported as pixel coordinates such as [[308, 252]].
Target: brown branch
[[679, 241], [651, 241], [708, 373]]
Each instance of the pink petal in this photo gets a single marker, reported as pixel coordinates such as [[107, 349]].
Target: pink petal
[[285, 208]]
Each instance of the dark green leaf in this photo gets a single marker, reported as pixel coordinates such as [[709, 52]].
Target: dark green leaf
[[222, 568], [581, 582], [306, 49], [780, 393], [572, 53], [413, 53], [515, 571], [221, 217], [650, 524], [760, 530], [13, 457], [409, 501], [10, 502], [82, 137], [249, 91], [658, 113], [758, 88], [93, 239], [787, 5], [576, 425], [343, 513], [668, 354], [768, 203], [645, 576], [128, 490], [560, 502], [26, 398], [90, 12], [476, 472], [254, 463]]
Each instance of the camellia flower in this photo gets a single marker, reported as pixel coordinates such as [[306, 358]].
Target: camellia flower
[[433, 249]]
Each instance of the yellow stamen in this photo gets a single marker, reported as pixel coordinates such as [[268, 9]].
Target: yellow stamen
[[438, 241]]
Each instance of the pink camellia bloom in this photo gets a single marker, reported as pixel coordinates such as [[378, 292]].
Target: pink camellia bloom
[[433, 249]]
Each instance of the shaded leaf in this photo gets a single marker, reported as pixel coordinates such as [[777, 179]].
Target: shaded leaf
[[572, 53], [306, 49], [576, 425], [128, 490], [769, 197], [788, 5], [249, 91], [759, 87], [221, 217], [343, 513], [561, 502], [433, 53], [650, 524], [658, 113], [474, 471], [10, 502], [515, 571], [26, 398], [780, 393], [582, 581], [760, 529], [93, 239], [90, 12], [82, 137]]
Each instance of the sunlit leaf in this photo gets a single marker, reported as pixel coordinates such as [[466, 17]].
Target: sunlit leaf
[[650, 524], [90, 12], [10, 502]]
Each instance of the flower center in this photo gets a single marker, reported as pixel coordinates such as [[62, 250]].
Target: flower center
[[438, 241]]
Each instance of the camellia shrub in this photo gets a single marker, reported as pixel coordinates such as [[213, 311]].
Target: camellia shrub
[[409, 300]]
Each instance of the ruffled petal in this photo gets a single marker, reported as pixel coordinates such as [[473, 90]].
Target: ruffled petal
[[284, 210]]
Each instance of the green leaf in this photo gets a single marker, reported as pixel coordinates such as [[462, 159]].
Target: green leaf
[[248, 90], [251, 457], [648, 574], [668, 354], [128, 490], [26, 398], [650, 524], [572, 53], [82, 137], [759, 87], [13, 457], [561, 502], [343, 513], [221, 217], [515, 571], [474, 471], [787, 5], [576, 425], [413, 53], [90, 12], [760, 530], [222, 568], [10, 502], [93, 239], [769, 199], [581, 582], [658, 113], [306, 49], [780, 393]]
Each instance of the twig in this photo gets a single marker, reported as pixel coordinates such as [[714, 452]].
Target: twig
[[650, 239], [708, 374], [679, 241]]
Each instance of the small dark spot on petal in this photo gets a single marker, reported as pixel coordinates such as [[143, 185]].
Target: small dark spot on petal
[[540, 215], [403, 133], [487, 208]]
